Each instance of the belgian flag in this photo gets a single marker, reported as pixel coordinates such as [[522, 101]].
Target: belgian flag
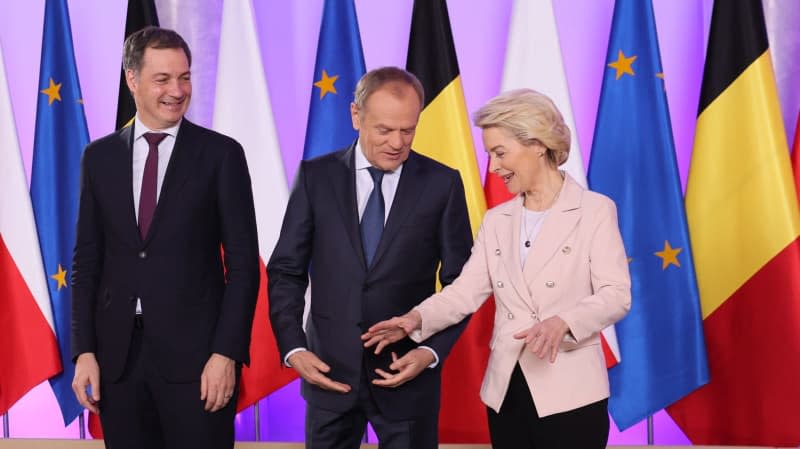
[[443, 133], [744, 224], [141, 13]]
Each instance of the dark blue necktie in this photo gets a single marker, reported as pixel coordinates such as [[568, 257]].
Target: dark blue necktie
[[373, 217]]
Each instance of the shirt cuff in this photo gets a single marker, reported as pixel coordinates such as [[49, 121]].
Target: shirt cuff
[[435, 356], [289, 354]]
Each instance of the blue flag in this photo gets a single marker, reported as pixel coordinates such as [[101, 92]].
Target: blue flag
[[633, 162], [60, 137], [339, 66]]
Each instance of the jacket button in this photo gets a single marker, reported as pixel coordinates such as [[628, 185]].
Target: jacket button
[[566, 250], [550, 284], [143, 254], [499, 284]]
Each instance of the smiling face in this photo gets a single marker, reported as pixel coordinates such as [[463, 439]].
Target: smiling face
[[518, 165], [386, 124], [161, 88]]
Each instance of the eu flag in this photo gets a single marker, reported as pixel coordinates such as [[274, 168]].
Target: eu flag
[[339, 66], [633, 162], [60, 137]]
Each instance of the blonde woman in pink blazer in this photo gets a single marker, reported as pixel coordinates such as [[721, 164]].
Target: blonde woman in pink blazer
[[554, 260]]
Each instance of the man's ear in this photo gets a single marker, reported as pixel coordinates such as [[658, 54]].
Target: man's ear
[[131, 80], [354, 117]]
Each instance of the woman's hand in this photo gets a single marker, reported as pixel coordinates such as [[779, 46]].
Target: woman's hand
[[390, 331], [545, 337]]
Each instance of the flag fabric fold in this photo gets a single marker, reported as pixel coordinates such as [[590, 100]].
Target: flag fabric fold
[[443, 133], [242, 110], [339, 66], [140, 14], [26, 317], [59, 138], [743, 217], [533, 43], [634, 163]]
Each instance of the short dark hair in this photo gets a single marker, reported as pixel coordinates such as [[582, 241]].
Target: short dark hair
[[150, 37], [377, 78]]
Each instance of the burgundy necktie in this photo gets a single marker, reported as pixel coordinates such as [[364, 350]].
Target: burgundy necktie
[[148, 196]]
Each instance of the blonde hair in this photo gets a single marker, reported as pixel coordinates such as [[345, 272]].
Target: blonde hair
[[530, 117]]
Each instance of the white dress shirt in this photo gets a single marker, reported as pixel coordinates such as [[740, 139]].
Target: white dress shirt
[[140, 150]]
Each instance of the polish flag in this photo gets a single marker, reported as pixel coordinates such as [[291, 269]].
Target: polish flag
[[29, 352], [242, 110]]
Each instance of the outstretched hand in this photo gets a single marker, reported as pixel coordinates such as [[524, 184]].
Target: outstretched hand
[[390, 331], [313, 370]]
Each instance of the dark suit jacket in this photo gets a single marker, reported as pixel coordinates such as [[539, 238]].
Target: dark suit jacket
[[428, 223], [192, 307]]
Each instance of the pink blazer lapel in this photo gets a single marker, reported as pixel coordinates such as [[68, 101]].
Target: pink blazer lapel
[[557, 226]]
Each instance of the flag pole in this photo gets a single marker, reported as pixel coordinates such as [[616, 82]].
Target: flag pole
[[5, 425], [257, 419], [650, 431], [82, 426]]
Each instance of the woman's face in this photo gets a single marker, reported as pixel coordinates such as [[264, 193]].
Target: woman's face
[[518, 165]]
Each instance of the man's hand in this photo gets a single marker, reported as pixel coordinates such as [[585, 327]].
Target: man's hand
[[313, 371], [87, 374], [544, 338], [217, 382], [408, 367]]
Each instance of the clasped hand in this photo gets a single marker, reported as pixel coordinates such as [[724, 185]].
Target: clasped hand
[[410, 364]]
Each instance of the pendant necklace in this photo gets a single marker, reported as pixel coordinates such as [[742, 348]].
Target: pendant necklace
[[525, 224], [541, 217]]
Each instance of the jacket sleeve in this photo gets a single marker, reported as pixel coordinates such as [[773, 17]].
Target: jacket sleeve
[[287, 269], [611, 282], [87, 261], [240, 245], [461, 298]]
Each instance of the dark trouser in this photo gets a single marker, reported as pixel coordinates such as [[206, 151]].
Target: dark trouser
[[518, 425], [144, 411], [326, 429]]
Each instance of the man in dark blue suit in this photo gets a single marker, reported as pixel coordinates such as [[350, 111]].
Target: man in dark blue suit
[[160, 325], [371, 224]]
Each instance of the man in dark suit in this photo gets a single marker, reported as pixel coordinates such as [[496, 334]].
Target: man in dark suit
[[160, 322], [371, 223]]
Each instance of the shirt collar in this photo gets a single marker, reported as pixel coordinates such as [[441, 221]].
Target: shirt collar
[[362, 163], [139, 129]]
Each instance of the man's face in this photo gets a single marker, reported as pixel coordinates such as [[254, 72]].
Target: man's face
[[386, 124], [162, 87]]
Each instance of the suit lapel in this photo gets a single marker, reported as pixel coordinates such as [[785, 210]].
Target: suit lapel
[[507, 236], [344, 187], [178, 169], [409, 189], [557, 226], [123, 169]]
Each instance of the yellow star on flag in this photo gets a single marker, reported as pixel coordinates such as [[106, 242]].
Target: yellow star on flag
[[623, 65], [53, 92], [669, 256], [60, 277], [326, 84]]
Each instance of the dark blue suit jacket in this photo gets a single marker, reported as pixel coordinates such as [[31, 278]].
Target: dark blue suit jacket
[[427, 224], [192, 307]]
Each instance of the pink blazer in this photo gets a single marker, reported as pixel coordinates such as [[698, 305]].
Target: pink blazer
[[576, 269]]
